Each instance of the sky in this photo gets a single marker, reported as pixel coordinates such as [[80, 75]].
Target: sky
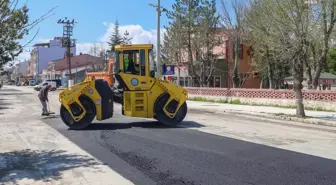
[[95, 20]]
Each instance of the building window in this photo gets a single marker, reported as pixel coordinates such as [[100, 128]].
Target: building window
[[195, 82], [211, 81], [240, 51], [215, 81]]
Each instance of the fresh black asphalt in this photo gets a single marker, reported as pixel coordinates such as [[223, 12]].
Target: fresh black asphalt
[[146, 153]]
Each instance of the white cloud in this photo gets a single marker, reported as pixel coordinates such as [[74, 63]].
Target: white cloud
[[138, 34]]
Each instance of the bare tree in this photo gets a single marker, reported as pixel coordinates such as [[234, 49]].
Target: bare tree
[[283, 25], [97, 58], [323, 16], [236, 35]]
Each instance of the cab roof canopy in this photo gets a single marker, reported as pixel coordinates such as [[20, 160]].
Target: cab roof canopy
[[134, 46]]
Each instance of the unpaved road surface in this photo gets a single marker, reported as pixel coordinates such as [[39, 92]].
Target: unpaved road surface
[[207, 149]]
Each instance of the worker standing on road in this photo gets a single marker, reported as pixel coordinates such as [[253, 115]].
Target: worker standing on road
[[43, 96]]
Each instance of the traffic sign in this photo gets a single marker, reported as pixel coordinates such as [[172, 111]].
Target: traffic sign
[[168, 69]]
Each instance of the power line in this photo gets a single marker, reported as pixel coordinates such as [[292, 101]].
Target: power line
[[67, 41]]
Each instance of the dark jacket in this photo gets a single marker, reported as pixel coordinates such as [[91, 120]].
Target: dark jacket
[[43, 94]]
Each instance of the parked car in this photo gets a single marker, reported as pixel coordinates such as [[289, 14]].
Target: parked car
[[31, 82], [58, 82], [39, 87], [11, 82]]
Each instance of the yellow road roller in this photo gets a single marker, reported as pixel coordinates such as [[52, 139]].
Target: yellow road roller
[[135, 87]]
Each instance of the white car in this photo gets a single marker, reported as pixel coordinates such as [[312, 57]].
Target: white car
[[53, 85]]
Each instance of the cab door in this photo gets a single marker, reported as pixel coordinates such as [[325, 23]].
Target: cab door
[[134, 72]]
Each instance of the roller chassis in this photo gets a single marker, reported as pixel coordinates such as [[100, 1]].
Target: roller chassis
[[140, 94], [81, 116]]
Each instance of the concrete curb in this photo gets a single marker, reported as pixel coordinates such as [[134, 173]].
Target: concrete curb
[[314, 121]]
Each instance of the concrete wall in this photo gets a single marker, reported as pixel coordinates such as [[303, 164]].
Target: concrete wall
[[318, 105], [311, 98]]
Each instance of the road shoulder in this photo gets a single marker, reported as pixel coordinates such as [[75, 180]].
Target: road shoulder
[[313, 117], [32, 152]]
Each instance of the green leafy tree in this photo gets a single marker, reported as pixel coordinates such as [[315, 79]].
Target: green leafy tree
[[192, 36], [331, 61], [323, 19], [14, 25], [116, 38], [181, 28]]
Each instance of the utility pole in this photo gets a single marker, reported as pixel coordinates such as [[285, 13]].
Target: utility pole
[[158, 39], [159, 9], [68, 43]]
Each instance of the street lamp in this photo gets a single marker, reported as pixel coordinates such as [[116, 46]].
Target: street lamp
[[159, 9]]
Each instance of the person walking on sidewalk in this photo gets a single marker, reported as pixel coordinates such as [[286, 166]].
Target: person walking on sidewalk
[[43, 96]]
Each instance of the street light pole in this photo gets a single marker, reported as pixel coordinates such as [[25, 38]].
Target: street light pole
[[159, 9], [158, 39]]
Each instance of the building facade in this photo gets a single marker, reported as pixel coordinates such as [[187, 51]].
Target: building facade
[[80, 64], [43, 53], [223, 67]]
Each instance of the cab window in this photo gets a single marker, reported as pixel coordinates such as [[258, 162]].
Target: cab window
[[116, 62], [131, 62], [143, 62], [151, 63]]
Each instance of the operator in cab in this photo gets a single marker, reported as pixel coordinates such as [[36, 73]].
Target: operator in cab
[[131, 64]]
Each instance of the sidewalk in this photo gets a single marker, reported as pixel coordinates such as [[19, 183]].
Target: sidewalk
[[314, 117], [32, 152]]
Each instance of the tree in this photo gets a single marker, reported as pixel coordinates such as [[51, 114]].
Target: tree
[[116, 38], [323, 17], [206, 38], [14, 25], [233, 23], [173, 41], [331, 61], [180, 31], [192, 36], [283, 26], [97, 64]]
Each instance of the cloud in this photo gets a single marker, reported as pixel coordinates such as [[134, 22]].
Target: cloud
[[138, 34], [24, 55]]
